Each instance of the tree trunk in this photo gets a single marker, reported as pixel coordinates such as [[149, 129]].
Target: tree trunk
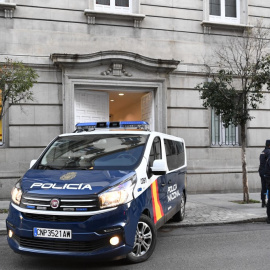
[[244, 164]]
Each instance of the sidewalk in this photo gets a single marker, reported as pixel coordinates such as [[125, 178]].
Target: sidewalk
[[3, 205], [204, 209], [218, 209]]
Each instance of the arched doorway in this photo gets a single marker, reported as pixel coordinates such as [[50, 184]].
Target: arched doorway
[[108, 71]]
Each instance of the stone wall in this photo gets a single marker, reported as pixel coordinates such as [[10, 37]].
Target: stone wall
[[170, 30]]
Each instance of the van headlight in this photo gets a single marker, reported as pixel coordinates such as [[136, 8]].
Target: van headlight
[[120, 194], [16, 193]]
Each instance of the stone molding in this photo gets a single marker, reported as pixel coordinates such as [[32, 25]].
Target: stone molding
[[208, 26], [8, 9], [92, 15], [115, 57]]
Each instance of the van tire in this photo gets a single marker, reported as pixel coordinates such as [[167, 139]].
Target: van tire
[[180, 215], [145, 241]]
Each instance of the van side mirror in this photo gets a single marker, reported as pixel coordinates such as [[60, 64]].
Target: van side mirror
[[159, 167], [32, 163]]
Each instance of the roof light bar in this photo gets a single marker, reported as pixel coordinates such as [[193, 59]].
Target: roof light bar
[[133, 124], [80, 127], [90, 126]]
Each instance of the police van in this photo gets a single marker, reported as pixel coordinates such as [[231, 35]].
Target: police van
[[100, 192]]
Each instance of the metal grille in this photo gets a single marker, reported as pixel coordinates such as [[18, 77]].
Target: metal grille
[[55, 218], [221, 135], [89, 203], [57, 245]]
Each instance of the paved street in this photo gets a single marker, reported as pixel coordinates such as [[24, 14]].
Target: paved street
[[226, 247], [190, 244]]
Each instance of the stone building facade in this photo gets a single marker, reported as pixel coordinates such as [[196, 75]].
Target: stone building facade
[[87, 52]]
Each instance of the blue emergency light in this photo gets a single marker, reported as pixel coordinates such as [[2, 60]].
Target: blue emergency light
[[90, 126]]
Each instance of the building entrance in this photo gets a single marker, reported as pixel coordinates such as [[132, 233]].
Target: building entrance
[[94, 106]]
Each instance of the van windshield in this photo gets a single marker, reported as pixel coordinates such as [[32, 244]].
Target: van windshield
[[95, 152]]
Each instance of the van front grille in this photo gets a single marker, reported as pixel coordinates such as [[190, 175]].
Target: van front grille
[[59, 245], [69, 204], [55, 218]]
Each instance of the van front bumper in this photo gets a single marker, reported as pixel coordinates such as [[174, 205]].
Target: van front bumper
[[90, 238]]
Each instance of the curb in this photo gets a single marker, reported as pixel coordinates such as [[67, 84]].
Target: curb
[[3, 232], [251, 220]]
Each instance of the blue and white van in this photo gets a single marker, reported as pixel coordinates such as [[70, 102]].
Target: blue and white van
[[99, 193]]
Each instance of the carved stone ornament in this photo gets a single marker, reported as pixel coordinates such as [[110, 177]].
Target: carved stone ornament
[[116, 70]]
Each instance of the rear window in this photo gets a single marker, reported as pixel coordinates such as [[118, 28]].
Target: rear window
[[98, 152], [175, 154]]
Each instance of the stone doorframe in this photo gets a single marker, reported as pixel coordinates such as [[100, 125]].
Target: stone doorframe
[[114, 70]]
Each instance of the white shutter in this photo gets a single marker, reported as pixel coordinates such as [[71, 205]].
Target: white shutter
[[147, 109], [91, 106]]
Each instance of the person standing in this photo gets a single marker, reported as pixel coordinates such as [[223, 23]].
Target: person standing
[[262, 170]]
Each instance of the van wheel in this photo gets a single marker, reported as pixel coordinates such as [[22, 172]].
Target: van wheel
[[145, 241], [180, 215]]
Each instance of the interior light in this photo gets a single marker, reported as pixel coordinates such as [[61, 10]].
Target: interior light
[[121, 94], [112, 100], [114, 241]]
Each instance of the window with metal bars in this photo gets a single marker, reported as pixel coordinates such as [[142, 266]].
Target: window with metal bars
[[222, 136]]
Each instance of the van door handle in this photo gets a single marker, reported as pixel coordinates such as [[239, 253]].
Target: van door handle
[[169, 182], [163, 184]]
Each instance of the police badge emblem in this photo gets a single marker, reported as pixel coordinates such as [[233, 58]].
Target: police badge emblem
[[68, 176]]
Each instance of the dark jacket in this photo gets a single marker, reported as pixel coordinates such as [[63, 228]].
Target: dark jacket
[[264, 167]]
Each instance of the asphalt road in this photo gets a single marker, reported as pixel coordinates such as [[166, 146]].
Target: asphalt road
[[241, 246]]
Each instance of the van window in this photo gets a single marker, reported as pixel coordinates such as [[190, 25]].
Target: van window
[[98, 152], [175, 154], [155, 152]]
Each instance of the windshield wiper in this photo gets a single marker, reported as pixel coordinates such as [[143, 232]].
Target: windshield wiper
[[74, 168], [47, 167]]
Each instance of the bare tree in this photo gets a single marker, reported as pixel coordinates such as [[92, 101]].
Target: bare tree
[[236, 85]]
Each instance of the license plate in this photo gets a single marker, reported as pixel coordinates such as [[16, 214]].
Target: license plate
[[52, 233]]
